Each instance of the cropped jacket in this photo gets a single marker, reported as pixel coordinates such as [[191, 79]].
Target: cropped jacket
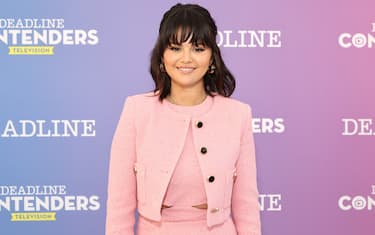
[[147, 143]]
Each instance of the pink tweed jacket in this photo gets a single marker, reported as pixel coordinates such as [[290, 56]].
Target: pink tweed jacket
[[147, 143]]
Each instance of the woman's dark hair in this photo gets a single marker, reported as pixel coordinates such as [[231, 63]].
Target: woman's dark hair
[[196, 22]]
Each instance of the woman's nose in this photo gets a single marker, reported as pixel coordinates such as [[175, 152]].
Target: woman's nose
[[186, 55]]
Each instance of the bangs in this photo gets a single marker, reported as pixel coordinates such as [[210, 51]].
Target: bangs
[[187, 27], [188, 34]]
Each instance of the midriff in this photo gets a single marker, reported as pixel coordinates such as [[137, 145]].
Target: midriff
[[200, 206]]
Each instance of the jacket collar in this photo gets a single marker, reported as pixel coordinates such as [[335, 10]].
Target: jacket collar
[[206, 108]]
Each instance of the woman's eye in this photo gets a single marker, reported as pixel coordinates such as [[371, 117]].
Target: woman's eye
[[173, 48], [199, 49]]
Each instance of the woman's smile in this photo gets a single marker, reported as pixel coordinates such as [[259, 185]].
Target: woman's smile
[[186, 69]]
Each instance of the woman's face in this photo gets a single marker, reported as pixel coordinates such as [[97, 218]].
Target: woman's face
[[186, 64]]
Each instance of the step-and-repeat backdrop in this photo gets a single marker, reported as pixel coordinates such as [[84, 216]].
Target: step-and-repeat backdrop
[[305, 67]]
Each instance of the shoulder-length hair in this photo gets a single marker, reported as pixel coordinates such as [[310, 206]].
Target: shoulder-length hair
[[180, 23]]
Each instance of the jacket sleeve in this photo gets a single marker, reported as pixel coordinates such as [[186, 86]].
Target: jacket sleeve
[[245, 203], [121, 200]]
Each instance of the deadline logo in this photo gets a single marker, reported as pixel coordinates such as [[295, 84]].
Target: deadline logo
[[358, 202], [357, 127], [41, 202], [47, 128], [40, 36], [244, 38], [270, 202], [358, 40]]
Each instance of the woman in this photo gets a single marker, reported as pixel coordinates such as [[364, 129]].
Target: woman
[[183, 154]]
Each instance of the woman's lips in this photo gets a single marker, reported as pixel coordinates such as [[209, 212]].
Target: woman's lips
[[186, 69]]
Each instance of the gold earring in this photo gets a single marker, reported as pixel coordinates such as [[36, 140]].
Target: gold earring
[[212, 69], [161, 66]]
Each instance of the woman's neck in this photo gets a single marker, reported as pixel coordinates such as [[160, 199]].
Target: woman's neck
[[187, 98]]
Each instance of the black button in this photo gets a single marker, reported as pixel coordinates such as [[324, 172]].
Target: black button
[[199, 124], [203, 150], [211, 179]]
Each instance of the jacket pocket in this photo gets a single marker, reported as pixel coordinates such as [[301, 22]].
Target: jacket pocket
[[230, 178], [140, 172]]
